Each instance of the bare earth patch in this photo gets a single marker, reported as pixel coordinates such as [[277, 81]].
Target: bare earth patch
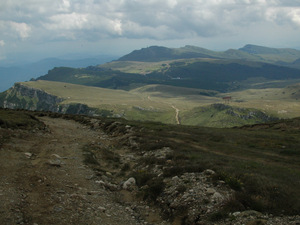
[[44, 180]]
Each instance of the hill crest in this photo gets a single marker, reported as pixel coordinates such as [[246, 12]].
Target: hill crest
[[248, 52]]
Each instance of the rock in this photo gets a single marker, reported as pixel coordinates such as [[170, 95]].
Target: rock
[[102, 209], [58, 157], [129, 183], [101, 182], [28, 155], [55, 162], [111, 187], [217, 197], [210, 191], [209, 172], [176, 179], [236, 214]]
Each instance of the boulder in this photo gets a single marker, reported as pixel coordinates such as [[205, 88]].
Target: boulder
[[129, 183]]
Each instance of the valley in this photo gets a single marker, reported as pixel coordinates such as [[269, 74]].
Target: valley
[[173, 105], [173, 86]]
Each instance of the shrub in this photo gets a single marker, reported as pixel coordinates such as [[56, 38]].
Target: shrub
[[155, 188]]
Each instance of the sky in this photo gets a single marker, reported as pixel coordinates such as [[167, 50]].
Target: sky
[[35, 29]]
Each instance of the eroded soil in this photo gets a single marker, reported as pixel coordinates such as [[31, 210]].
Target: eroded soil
[[44, 180]]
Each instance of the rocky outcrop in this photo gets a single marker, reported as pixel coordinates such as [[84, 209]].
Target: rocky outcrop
[[23, 97]]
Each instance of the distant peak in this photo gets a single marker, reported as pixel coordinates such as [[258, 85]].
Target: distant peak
[[256, 49]]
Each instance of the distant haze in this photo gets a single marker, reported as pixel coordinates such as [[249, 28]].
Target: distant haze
[[25, 71]]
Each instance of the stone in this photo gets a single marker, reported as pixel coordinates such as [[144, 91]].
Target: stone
[[236, 214], [57, 156], [176, 178], [101, 182], [217, 197], [111, 187], [102, 209], [55, 162], [28, 155], [210, 191], [129, 183], [209, 172]]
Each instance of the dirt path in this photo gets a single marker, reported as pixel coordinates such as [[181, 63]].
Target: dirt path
[[44, 181], [176, 110], [176, 114]]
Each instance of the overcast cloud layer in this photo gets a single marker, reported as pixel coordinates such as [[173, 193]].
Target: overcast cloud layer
[[57, 23]]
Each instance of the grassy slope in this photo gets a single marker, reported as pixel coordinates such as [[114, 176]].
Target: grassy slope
[[158, 102], [131, 105], [150, 96], [161, 66], [248, 52], [260, 162], [216, 74], [206, 73], [272, 54], [284, 102]]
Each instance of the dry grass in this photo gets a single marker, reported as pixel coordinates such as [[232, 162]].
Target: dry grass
[[157, 102]]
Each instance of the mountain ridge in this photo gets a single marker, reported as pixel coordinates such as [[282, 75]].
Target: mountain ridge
[[248, 52]]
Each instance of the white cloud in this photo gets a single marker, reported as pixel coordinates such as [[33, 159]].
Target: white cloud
[[22, 29], [94, 20], [71, 21], [2, 43], [284, 15], [294, 15], [14, 30]]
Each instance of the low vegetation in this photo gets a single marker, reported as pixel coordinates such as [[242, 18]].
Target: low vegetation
[[260, 162], [160, 103], [18, 120]]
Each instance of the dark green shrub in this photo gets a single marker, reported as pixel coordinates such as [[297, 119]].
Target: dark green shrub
[[155, 188]]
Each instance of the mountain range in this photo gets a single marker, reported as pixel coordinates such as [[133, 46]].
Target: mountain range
[[155, 83], [190, 66]]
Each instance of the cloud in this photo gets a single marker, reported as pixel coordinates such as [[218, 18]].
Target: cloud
[[153, 19], [284, 15], [2, 43], [15, 30], [22, 29]]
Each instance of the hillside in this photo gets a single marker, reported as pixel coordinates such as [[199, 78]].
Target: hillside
[[70, 169], [296, 64], [213, 74], [166, 104], [158, 53], [189, 67], [272, 54], [248, 52]]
